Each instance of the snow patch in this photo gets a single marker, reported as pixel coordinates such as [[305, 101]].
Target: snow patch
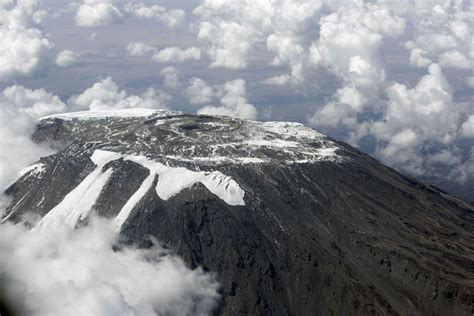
[[35, 169], [291, 129], [126, 210], [218, 159], [103, 114], [78, 203]]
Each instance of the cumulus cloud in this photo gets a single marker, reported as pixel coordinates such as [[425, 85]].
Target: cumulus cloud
[[106, 95], [233, 102], [419, 128], [277, 80], [416, 129], [231, 31], [19, 109], [139, 49], [442, 33], [91, 13], [417, 117], [177, 55], [170, 77], [165, 55], [172, 18], [66, 58], [199, 92], [24, 49], [467, 128], [88, 272], [348, 45]]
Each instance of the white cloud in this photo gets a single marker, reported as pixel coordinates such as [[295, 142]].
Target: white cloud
[[233, 102], [349, 43], [231, 31], [177, 55], [81, 272], [106, 95], [21, 14], [19, 110], [139, 48], [172, 18], [454, 59], [170, 77], [445, 157], [24, 49], [277, 80], [348, 101], [67, 58], [199, 92], [427, 112], [442, 33], [467, 128], [418, 56], [425, 108], [93, 13], [23, 52]]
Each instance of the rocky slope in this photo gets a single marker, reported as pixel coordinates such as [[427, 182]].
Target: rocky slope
[[294, 223]]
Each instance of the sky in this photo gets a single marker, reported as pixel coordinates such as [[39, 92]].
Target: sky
[[392, 78]]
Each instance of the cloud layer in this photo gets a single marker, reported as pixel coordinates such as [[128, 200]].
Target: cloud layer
[[86, 272]]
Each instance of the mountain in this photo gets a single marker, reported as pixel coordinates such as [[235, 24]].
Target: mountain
[[292, 222]]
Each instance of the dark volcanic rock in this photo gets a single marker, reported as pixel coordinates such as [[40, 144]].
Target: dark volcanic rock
[[325, 229]]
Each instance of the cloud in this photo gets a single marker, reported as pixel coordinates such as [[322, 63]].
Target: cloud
[[88, 272], [168, 54], [93, 13], [139, 49], [106, 95], [277, 80], [349, 43], [442, 33], [24, 49], [172, 18], [426, 108], [177, 55], [467, 128], [199, 92], [19, 109], [170, 77], [21, 14], [233, 102], [415, 129], [347, 102], [66, 58], [23, 52], [454, 59], [231, 31], [419, 121]]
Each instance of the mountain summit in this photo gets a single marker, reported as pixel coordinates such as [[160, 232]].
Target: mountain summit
[[292, 222]]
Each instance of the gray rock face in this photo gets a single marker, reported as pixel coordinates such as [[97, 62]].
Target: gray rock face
[[293, 222]]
